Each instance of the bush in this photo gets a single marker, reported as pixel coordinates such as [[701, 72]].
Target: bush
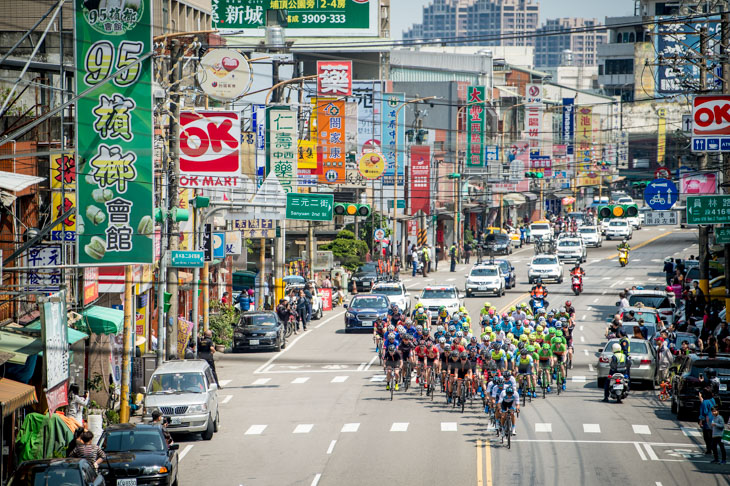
[[349, 251], [221, 323]]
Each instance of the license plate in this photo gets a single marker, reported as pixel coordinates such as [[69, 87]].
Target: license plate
[[253, 342], [175, 421], [618, 387], [127, 482], [367, 323], [723, 387], [366, 284], [482, 287]]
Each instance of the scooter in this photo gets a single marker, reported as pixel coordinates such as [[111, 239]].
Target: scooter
[[537, 303], [623, 257], [618, 387], [577, 284]]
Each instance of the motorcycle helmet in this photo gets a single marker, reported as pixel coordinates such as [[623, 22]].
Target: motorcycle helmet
[[616, 348]]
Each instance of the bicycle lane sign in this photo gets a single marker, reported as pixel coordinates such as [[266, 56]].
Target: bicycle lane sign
[[661, 194]]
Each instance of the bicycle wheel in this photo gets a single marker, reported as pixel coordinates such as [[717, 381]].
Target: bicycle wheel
[[289, 329], [559, 381], [463, 395], [545, 378], [508, 431], [392, 387], [523, 391]]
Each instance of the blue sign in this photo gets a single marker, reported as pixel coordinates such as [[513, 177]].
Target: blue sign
[[219, 245], [491, 153], [661, 194], [568, 124], [393, 133]]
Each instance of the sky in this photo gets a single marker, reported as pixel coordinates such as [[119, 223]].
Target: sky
[[405, 13]]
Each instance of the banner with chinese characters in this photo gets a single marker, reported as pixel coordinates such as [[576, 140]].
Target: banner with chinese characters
[[60, 203], [533, 120], [331, 140], [281, 146], [63, 172], [393, 137], [335, 78], [584, 140], [114, 129], [255, 228], [420, 180], [475, 126], [661, 145], [44, 274]]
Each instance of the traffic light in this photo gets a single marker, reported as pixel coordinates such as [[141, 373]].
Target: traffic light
[[617, 211], [166, 297], [352, 209], [534, 175], [199, 202]]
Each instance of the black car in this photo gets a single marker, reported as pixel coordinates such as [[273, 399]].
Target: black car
[[364, 277], [497, 243], [259, 330], [691, 377], [508, 270], [56, 471], [137, 454]]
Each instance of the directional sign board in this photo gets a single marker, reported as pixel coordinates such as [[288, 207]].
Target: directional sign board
[[708, 209], [687, 124], [186, 259], [722, 236], [660, 218], [661, 194], [310, 207]]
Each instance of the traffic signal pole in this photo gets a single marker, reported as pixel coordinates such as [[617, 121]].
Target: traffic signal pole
[[725, 40], [704, 229]]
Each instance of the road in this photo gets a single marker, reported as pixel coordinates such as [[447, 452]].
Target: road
[[317, 413]]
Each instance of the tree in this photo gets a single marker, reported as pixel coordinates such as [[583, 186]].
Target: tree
[[347, 249], [368, 225]]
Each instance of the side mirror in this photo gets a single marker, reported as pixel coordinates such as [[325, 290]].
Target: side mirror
[[345, 306], [466, 276], [144, 390], [173, 447]]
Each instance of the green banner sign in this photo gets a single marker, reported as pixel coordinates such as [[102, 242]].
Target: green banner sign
[[722, 236], [476, 114], [708, 209], [304, 17], [114, 133], [310, 207], [187, 259]]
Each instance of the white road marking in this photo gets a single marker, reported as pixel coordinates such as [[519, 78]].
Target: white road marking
[[592, 428], [261, 381], [581, 328], [653, 279], [362, 365], [635, 260], [300, 380], [578, 379], [640, 451], [590, 367], [658, 483], [370, 363], [655, 260], [377, 378], [448, 426], [184, 452], [339, 379], [641, 429], [650, 452], [331, 447], [407, 280], [224, 382], [606, 278], [595, 300], [691, 432], [399, 427], [227, 398], [315, 481], [584, 317], [585, 351], [303, 429], [629, 278], [604, 292], [354, 427], [614, 284], [582, 339], [543, 427], [450, 279], [255, 430]]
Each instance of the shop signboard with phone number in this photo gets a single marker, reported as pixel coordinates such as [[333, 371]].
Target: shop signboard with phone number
[[304, 17], [114, 220]]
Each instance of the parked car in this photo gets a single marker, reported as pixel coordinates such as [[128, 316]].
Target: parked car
[[619, 229], [364, 277], [572, 249], [643, 361], [138, 454], [691, 378], [53, 472], [397, 294], [258, 330], [363, 310], [485, 279], [654, 299], [591, 236], [547, 267], [187, 394], [433, 297], [497, 243], [508, 271]]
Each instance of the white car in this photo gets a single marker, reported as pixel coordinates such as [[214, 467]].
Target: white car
[[591, 236], [635, 221], [604, 225], [619, 229], [546, 267], [624, 200], [433, 297], [397, 294], [572, 249], [540, 230], [485, 279]]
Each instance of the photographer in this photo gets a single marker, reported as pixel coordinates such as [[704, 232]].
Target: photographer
[[159, 419]]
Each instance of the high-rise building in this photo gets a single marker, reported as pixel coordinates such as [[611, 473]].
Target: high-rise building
[[490, 22], [568, 41]]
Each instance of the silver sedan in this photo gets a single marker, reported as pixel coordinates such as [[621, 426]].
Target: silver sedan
[[643, 361]]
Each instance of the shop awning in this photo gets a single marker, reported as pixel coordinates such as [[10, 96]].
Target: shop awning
[[515, 199], [73, 335], [103, 320], [17, 182], [20, 345], [14, 395], [530, 196]]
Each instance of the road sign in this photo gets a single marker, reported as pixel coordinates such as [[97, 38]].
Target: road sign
[[379, 234], [310, 207], [186, 259], [401, 204], [661, 194], [708, 209], [659, 218], [662, 173], [687, 124], [722, 236]]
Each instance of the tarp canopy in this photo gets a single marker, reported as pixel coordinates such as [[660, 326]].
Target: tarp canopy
[[103, 320], [73, 335], [14, 395], [17, 182], [43, 437], [20, 345]]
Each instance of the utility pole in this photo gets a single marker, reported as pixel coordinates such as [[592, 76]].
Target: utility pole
[[704, 229], [725, 40], [127, 345]]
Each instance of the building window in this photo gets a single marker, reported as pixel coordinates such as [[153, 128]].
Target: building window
[[619, 66]]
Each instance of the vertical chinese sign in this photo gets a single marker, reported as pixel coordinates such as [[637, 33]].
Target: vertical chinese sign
[[114, 188], [63, 197], [54, 333], [331, 140], [584, 139], [393, 137], [281, 146], [533, 120], [661, 146], [475, 126], [334, 78], [420, 180]]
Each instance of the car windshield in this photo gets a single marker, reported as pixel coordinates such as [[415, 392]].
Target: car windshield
[[504, 266], [169, 383], [148, 440], [629, 330], [617, 223], [387, 290], [259, 320], [721, 367], [367, 268], [540, 227], [648, 316], [685, 336], [497, 238], [638, 347], [587, 230], [484, 272], [43, 475], [369, 302], [545, 261], [294, 279], [569, 243], [655, 301], [438, 294]]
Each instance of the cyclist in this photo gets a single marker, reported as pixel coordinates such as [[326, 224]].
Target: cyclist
[[509, 402], [405, 348], [393, 362], [379, 327], [452, 370], [569, 309], [499, 356], [559, 348], [525, 367], [443, 363], [462, 372], [432, 361], [494, 390], [443, 313], [420, 353], [546, 362], [421, 317], [393, 311]]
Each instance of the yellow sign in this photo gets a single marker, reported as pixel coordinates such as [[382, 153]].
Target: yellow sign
[[585, 181], [371, 165], [63, 171], [60, 206], [661, 147], [307, 154]]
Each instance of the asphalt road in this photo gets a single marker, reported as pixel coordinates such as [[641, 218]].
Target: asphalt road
[[317, 413]]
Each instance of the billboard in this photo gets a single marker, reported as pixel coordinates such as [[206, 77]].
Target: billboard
[[210, 144], [331, 141], [393, 137], [695, 184], [335, 78], [420, 179], [475, 126]]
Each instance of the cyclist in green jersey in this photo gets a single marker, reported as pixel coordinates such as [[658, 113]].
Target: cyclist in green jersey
[[559, 347], [545, 358]]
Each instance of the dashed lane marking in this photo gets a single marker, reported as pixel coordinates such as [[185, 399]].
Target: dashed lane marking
[[578, 379], [331, 447], [539, 427], [640, 451], [354, 427], [590, 367], [255, 430], [339, 379], [691, 432], [299, 381], [315, 481], [378, 378], [224, 382], [261, 381], [399, 427], [584, 317], [303, 429], [606, 278], [227, 399], [585, 351], [641, 429], [448, 426], [592, 428], [581, 327], [184, 452], [650, 452], [582, 339]]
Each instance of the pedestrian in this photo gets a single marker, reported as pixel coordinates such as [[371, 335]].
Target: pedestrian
[[467, 252], [623, 301], [430, 257], [414, 260], [206, 350], [308, 295], [522, 236], [425, 261], [302, 311], [669, 269], [438, 256], [88, 450], [718, 428], [677, 288], [699, 295], [409, 256], [643, 329], [327, 283], [665, 359], [528, 234], [225, 300], [453, 253], [75, 441], [76, 403], [707, 402], [159, 419]]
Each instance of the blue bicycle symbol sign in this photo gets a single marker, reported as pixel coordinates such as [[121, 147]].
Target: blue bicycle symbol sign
[[661, 194]]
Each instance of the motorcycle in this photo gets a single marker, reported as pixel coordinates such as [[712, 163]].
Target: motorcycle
[[618, 387], [577, 284], [537, 303], [623, 257]]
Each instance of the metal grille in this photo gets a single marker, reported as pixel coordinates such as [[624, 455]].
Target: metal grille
[[174, 410]]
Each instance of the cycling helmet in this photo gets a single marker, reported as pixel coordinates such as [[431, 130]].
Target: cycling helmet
[[523, 351], [568, 303], [562, 310], [504, 315], [510, 390], [499, 381], [507, 375], [551, 330], [462, 309], [419, 305], [419, 328], [512, 309], [559, 333], [440, 328], [442, 340], [406, 336], [473, 339], [464, 355], [523, 338], [520, 345], [546, 346], [421, 311], [442, 308], [487, 305], [459, 334], [391, 348], [452, 328], [426, 332], [505, 346], [531, 348], [495, 346], [391, 328], [488, 329], [447, 347], [454, 353], [559, 325]]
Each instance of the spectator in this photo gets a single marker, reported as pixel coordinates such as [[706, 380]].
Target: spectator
[[707, 403], [244, 302], [89, 451], [718, 428], [225, 300], [438, 257], [669, 269], [158, 419], [467, 252], [75, 441], [711, 348], [206, 350], [664, 358], [722, 332], [699, 295], [327, 283], [637, 332], [430, 257], [643, 329], [677, 288], [76, 403], [302, 310], [623, 302], [414, 260]]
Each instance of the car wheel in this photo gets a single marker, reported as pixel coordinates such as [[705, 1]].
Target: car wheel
[[278, 344], [319, 314], [674, 406], [175, 483], [560, 280], [208, 433]]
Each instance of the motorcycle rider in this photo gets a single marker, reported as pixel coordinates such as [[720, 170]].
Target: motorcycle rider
[[616, 365], [624, 245], [538, 291], [576, 270]]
